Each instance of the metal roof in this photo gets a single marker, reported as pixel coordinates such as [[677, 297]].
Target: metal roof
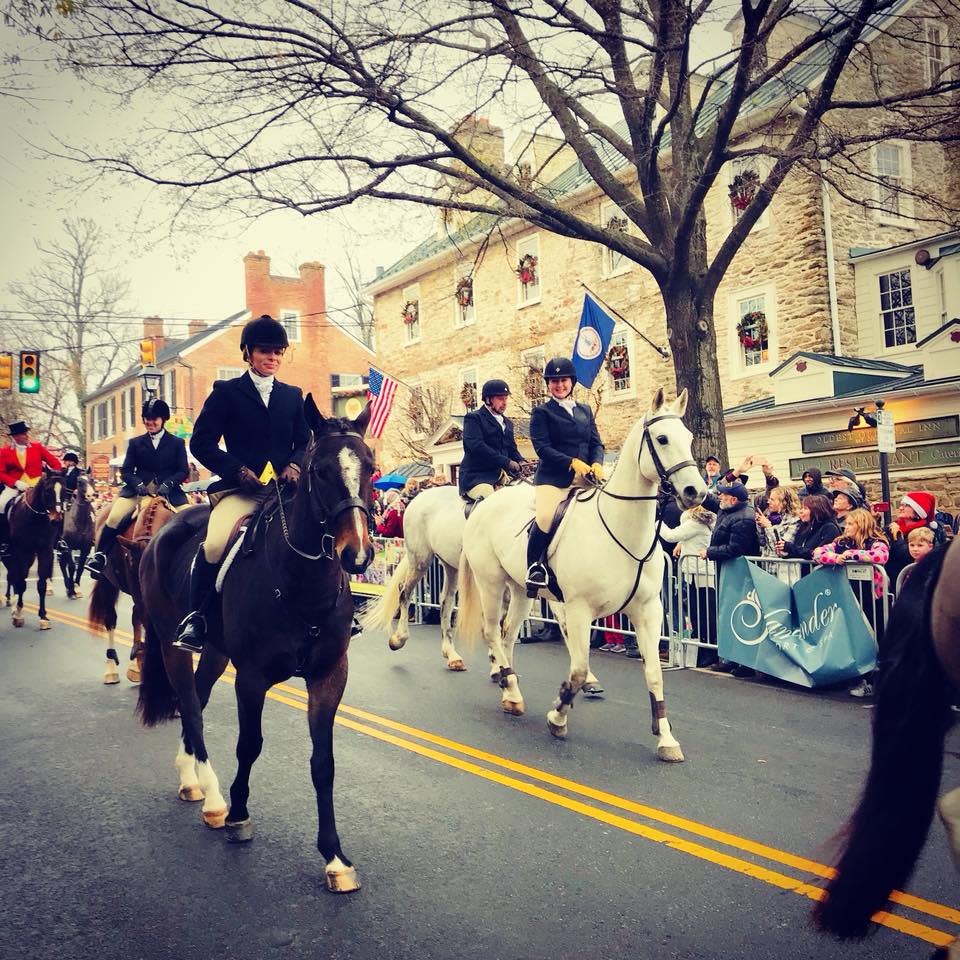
[[858, 363], [938, 331]]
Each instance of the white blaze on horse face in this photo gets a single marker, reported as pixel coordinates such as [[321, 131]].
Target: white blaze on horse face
[[350, 469]]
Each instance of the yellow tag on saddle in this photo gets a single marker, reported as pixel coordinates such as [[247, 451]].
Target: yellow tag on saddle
[[268, 474]]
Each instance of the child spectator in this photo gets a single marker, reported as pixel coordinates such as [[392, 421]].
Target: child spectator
[[920, 542], [916, 510]]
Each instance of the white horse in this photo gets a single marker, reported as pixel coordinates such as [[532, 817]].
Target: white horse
[[605, 556]]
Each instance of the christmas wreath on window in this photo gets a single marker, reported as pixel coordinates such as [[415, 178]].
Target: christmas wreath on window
[[410, 312], [527, 269], [752, 330], [464, 292], [618, 361], [468, 394], [743, 188]]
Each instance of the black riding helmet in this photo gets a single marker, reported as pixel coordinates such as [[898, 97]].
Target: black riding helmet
[[494, 388], [70, 455], [558, 368], [155, 408], [264, 332]]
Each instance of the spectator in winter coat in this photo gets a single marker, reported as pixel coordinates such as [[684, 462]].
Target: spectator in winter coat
[[837, 479], [392, 524], [711, 472], [691, 536], [846, 498], [812, 483], [917, 509], [779, 525], [817, 527], [862, 542]]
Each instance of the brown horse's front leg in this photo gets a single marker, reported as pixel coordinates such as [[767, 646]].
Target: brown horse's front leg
[[324, 693]]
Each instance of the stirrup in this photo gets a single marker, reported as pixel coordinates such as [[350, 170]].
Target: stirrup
[[537, 579], [355, 629], [191, 633], [96, 565]]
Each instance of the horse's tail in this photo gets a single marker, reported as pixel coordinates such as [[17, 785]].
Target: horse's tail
[[157, 701], [469, 611], [381, 615], [102, 611], [883, 838]]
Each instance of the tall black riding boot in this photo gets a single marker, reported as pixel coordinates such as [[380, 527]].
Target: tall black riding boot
[[193, 629], [536, 569], [96, 564], [4, 536]]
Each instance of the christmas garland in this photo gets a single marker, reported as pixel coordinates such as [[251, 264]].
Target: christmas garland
[[410, 312], [743, 188], [618, 360], [464, 292], [753, 331], [527, 269]]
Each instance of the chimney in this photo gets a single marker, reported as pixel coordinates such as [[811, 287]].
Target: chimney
[[153, 329], [195, 327]]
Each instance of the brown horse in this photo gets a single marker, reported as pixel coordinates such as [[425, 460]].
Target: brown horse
[[77, 534], [887, 831], [122, 574], [34, 523], [285, 608]]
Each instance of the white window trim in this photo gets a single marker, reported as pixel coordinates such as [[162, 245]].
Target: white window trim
[[610, 395], [763, 169], [904, 219], [290, 314], [460, 271], [524, 246], [899, 348], [769, 293], [230, 373], [462, 374], [412, 293], [608, 210], [943, 45]]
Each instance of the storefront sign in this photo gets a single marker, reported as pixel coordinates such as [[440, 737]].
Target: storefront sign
[[100, 467], [868, 461], [910, 431]]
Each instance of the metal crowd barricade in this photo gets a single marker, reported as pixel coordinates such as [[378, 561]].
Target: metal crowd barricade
[[698, 601]]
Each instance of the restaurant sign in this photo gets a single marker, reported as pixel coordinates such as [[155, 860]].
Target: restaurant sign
[[868, 461], [910, 431], [100, 467]]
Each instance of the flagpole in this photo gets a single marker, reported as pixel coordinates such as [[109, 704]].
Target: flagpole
[[663, 351]]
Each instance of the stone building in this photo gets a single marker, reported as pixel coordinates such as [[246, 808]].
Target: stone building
[[794, 287], [324, 359]]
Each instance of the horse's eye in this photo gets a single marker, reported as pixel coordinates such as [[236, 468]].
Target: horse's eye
[[662, 439]]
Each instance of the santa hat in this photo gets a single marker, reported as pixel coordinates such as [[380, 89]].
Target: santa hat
[[924, 505]]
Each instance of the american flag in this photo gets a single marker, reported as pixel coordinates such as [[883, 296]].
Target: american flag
[[382, 391]]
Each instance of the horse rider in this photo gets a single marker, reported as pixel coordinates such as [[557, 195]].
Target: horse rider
[[566, 440], [265, 432], [71, 477], [490, 453], [21, 466], [155, 464]]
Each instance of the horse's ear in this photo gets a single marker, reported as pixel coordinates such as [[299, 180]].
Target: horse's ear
[[657, 401], [681, 404], [315, 418], [363, 421]]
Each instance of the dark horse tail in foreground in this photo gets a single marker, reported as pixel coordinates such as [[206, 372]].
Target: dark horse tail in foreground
[[285, 609], [887, 831]]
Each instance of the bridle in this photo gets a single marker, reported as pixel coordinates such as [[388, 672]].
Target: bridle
[[327, 540], [29, 496]]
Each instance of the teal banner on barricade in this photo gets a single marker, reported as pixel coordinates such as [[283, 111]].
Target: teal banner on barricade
[[812, 634]]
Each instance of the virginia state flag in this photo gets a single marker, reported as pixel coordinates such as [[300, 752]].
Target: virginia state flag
[[593, 339]]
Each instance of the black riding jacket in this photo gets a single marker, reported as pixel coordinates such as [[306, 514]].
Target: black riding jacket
[[559, 437], [165, 464], [487, 449]]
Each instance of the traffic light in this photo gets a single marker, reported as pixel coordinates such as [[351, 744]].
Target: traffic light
[[29, 371], [6, 371], [148, 353]]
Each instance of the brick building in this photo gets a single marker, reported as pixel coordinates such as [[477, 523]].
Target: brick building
[[324, 359], [798, 272]]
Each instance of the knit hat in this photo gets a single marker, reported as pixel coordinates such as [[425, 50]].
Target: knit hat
[[737, 490], [852, 492]]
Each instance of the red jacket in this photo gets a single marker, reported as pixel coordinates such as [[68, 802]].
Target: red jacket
[[392, 524], [37, 455]]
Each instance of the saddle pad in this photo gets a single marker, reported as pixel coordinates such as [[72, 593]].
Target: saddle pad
[[230, 557]]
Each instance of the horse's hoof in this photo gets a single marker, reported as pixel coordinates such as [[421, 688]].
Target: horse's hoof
[[670, 754], [133, 672], [592, 690], [557, 724], [190, 793], [44, 624], [514, 709], [397, 643], [110, 675], [215, 819], [458, 666], [239, 831], [342, 881], [18, 621]]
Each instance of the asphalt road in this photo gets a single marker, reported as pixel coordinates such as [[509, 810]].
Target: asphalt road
[[476, 835]]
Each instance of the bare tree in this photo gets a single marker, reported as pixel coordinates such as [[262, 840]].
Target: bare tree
[[426, 410], [72, 312], [358, 315], [311, 107]]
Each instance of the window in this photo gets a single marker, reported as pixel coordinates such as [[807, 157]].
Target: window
[[291, 322], [892, 169], [230, 373], [168, 389], [753, 332], [410, 312], [612, 218], [465, 292], [942, 296], [896, 309], [532, 384], [351, 380], [934, 62], [619, 363], [744, 176], [132, 405], [528, 271], [468, 388], [416, 409], [104, 419]]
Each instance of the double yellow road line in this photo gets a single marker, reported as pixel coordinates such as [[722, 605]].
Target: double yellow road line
[[606, 807]]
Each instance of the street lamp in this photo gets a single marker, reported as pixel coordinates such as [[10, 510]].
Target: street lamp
[[886, 444], [150, 377]]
